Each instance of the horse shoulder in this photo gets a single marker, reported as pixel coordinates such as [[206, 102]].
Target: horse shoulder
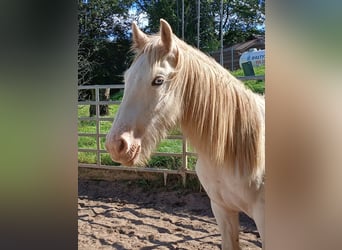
[[228, 189]]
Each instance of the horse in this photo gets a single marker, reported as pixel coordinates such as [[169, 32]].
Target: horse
[[172, 83]]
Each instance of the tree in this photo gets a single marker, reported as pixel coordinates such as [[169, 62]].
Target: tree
[[103, 39], [242, 18], [171, 11], [103, 42]]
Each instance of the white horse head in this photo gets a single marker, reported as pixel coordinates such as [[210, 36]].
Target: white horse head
[[170, 81], [149, 107]]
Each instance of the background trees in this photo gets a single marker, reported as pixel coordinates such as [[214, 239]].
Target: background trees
[[104, 29], [241, 19], [103, 40], [103, 45]]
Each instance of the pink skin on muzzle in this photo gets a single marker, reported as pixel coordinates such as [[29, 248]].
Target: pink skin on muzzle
[[123, 147]]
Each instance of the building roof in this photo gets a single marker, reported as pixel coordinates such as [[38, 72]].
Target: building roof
[[257, 42]]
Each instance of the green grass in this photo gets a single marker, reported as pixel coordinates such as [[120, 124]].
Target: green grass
[[257, 86], [166, 145]]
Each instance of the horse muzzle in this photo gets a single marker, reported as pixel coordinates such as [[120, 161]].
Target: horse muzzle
[[123, 148]]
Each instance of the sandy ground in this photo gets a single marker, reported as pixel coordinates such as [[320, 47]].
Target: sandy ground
[[136, 215]]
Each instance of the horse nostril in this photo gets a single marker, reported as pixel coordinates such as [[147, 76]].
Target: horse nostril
[[121, 146]]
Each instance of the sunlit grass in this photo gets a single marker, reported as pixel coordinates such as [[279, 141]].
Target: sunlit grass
[[257, 86]]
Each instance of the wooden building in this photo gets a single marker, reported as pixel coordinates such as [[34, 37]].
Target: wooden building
[[231, 55]]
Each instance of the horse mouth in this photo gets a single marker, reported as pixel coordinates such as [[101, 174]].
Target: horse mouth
[[133, 159]]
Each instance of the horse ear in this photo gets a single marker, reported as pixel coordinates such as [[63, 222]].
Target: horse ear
[[166, 34], [139, 37]]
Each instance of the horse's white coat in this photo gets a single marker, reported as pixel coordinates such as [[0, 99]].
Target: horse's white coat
[[146, 110], [229, 193]]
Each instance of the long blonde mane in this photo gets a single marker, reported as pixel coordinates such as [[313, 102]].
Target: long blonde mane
[[220, 116]]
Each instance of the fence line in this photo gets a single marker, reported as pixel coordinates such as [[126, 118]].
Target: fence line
[[183, 170], [247, 78]]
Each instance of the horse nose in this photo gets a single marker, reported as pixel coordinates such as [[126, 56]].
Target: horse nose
[[116, 146], [120, 146]]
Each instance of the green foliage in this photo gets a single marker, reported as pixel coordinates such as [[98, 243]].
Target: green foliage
[[160, 9], [117, 96], [257, 70], [87, 157], [103, 41], [171, 11], [169, 162], [256, 86], [241, 20], [106, 160], [97, 19]]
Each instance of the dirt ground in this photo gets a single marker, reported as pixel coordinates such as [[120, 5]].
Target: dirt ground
[[127, 215]]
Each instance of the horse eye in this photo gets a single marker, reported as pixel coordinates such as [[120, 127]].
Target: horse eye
[[158, 81]]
